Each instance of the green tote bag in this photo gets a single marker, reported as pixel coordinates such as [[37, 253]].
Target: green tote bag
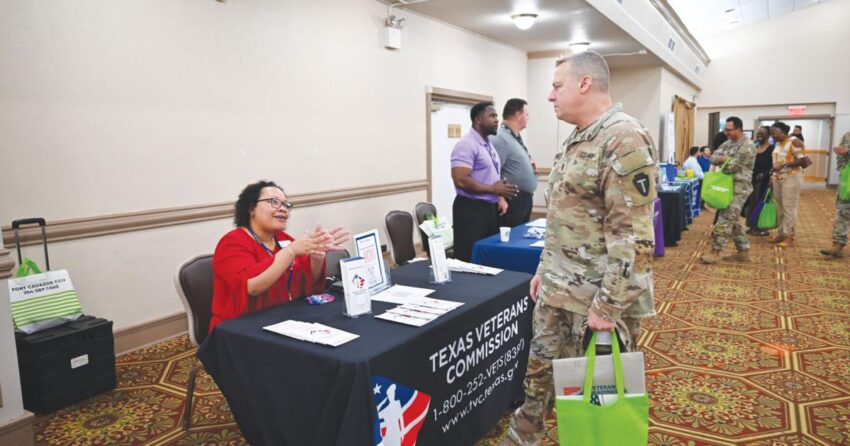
[[844, 187], [717, 188], [623, 423], [767, 217]]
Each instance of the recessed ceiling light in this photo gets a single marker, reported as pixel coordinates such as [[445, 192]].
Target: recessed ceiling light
[[524, 21]]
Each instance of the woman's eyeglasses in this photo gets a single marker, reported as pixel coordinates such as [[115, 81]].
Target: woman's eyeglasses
[[276, 203]]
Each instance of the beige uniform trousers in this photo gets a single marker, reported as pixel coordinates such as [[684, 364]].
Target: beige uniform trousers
[[786, 192]]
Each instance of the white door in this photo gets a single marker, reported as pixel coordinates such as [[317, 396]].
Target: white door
[[442, 116]]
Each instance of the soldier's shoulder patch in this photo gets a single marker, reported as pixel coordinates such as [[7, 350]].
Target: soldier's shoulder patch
[[626, 162], [638, 187]]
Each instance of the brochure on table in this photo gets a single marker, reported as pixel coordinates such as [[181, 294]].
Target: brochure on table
[[419, 312], [368, 246], [401, 294], [539, 223], [312, 332], [439, 266], [355, 286]]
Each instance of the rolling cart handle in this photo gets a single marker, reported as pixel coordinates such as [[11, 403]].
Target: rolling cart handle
[[16, 224]]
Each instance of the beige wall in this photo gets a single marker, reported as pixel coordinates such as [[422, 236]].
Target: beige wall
[[639, 90], [109, 107]]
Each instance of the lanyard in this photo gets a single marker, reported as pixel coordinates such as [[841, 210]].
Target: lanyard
[[271, 253]]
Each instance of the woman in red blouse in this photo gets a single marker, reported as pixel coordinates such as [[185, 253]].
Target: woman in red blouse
[[258, 265]]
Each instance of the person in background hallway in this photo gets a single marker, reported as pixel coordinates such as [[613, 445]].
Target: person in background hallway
[[258, 265], [798, 133], [842, 208], [518, 166], [704, 158], [741, 154], [596, 267], [718, 140], [787, 181], [761, 176], [481, 193], [693, 163]]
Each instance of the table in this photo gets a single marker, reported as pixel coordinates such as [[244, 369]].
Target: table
[[693, 196], [514, 255], [673, 205], [454, 377]]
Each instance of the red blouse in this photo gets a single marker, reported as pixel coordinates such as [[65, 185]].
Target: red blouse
[[239, 257]]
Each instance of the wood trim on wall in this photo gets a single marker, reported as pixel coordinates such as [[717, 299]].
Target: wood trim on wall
[[7, 263], [146, 333], [88, 227], [545, 54], [18, 431]]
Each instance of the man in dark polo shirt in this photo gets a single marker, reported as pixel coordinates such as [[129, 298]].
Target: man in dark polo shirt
[[480, 191], [518, 166]]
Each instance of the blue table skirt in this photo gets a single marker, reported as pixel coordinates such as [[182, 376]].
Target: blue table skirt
[[515, 255]]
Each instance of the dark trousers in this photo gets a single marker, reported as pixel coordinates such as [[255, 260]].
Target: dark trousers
[[519, 210], [472, 220]]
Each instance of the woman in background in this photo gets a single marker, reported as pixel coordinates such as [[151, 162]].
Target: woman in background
[[258, 265], [761, 177]]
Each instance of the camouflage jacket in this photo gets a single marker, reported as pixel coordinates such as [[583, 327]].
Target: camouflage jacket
[[743, 156], [599, 230], [844, 159]]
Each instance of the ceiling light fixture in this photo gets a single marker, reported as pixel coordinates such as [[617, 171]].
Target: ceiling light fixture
[[579, 47], [524, 21]]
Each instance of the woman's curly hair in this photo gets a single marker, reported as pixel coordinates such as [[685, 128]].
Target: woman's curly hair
[[247, 201]]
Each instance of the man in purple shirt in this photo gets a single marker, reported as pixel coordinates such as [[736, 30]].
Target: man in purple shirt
[[481, 192]]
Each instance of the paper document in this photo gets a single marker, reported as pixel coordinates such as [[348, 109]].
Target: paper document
[[436, 303], [403, 319], [368, 246], [538, 244], [464, 267], [539, 223], [401, 294], [420, 311], [312, 332]]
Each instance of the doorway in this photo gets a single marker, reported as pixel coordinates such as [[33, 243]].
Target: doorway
[[447, 121]]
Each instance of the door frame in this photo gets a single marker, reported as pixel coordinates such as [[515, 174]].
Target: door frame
[[452, 97]]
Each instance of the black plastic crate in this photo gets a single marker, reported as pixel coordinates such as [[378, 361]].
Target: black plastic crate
[[67, 364]]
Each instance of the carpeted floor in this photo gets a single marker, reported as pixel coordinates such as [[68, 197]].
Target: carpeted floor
[[754, 354]]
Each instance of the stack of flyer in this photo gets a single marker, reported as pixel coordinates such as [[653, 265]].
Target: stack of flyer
[[419, 312], [464, 267], [312, 332]]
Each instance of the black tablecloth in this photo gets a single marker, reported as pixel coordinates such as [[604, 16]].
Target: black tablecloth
[[470, 362], [673, 213]]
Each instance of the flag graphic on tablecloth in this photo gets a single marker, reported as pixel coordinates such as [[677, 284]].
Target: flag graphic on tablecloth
[[401, 412]]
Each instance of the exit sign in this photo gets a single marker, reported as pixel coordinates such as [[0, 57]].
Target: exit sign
[[796, 110]]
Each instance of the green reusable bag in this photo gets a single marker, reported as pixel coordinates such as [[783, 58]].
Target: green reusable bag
[[767, 217], [40, 300], [717, 188], [844, 186], [623, 423]]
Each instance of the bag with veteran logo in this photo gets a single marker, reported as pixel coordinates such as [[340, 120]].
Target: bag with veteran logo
[[717, 188], [612, 408]]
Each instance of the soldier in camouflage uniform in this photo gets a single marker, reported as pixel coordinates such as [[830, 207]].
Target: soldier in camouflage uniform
[[596, 268], [842, 208], [741, 154]]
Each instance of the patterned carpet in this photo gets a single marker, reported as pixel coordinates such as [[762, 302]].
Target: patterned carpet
[[754, 354]]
